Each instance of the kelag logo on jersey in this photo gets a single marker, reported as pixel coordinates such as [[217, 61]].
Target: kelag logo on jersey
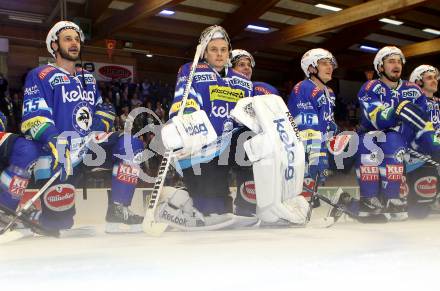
[[194, 129], [82, 118], [78, 94], [288, 146], [59, 78]]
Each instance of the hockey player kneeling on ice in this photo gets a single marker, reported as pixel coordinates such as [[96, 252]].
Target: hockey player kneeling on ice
[[275, 152]]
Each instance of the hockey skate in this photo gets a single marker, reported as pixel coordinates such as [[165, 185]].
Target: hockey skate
[[370, 211], [120, 219], [396, 209]]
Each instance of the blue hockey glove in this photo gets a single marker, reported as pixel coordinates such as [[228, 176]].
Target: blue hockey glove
[[104, 118], [412, 114], [59, 149]]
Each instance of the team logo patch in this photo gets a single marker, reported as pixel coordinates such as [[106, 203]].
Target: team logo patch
[[18, 185], [60, 197], [247, 191], [426, 187], [394, 172], [82, 118], [369, 173], [59, 78], [127, 174], [45, 71]]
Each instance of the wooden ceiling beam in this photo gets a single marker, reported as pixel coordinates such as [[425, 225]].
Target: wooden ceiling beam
[[353, 15], [96, 9], [139, 10], [248, 12], [350, 35]]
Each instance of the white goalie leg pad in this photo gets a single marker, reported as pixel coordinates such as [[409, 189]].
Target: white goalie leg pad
[[176, 209], [188, 133], [278, 161]]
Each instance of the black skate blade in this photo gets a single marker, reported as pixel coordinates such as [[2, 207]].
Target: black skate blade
[[375, 218], [28, 223]]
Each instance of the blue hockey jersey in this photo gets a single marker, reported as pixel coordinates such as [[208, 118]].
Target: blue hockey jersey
[[52, 96], [313, 110], [378, 103], [261, 88], [211, 92]]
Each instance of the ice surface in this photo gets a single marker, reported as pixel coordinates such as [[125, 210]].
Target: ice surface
[[348, 256]]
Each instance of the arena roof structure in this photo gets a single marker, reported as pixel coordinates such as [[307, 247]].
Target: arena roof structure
[[276, 32]]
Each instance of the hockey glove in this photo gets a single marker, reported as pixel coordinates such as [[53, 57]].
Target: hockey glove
[[412, 114], [104, 118], [59, 149]]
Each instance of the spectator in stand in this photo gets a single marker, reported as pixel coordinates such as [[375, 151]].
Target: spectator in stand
[[135, 102], [160, 112], [145, 89], [3, 85], [123, 116]]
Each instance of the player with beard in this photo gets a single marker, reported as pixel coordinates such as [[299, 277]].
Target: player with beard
[[63, 109], [390, 112]]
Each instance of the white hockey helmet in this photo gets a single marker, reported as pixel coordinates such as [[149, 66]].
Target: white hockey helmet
[[238, 53], [385, 52], [417, 73], [311, 58], [55, 31], [213, 32]]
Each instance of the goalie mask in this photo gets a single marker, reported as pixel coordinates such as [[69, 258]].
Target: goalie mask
[[385, 52], [311, 58], [210, 33], [54, 32]]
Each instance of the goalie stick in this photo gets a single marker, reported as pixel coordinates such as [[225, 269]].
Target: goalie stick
[[149, 225]]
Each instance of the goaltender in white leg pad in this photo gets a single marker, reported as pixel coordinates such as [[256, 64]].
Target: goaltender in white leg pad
[[176, 209], [278, 161]]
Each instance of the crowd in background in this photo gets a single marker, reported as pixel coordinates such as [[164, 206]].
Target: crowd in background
[[157, 96]]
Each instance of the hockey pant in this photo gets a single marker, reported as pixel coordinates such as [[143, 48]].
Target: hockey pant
[[18, 156], [121, 153], [379, 166]]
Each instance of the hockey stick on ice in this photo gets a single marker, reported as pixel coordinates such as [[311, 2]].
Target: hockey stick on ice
[[149, 225], [17, 215]]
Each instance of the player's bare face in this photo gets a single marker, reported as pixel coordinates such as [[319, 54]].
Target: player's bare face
[[325, 70], [392, 67], [217, 53], [243, 65], [70, 44], [430, 82]]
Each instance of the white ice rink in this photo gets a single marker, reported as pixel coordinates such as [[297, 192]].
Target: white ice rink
[[348, 256]]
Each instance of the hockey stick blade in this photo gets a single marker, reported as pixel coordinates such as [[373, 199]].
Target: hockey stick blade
[[28, 223]]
